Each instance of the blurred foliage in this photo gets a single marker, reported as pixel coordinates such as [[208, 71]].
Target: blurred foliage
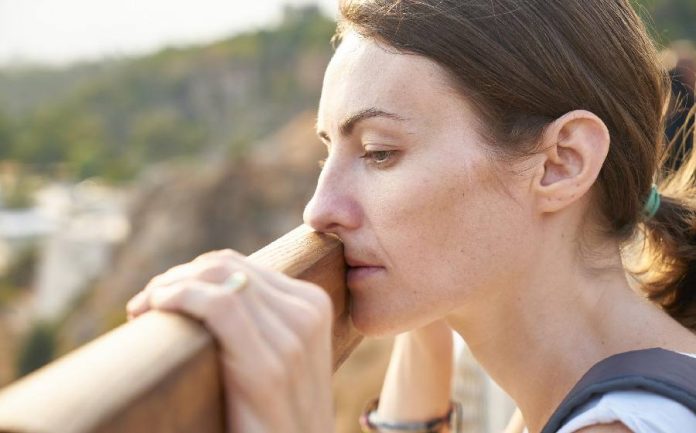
[[184, 102], [20, 193], [22, 89], [7, 131], [37, 349], [113, 118], [17, 278], [669, 20]]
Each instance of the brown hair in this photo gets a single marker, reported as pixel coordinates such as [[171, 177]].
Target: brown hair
[[523, 64]]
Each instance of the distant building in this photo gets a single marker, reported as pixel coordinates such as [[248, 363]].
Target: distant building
[[80, 249], [74, 229]]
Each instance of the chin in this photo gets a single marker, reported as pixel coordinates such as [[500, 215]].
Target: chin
[[373, 322]]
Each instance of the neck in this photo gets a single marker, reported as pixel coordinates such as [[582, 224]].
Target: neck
[[545, 331]]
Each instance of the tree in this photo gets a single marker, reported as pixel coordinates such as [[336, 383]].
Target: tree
[[669, 20], [38, 349], [6, 137]]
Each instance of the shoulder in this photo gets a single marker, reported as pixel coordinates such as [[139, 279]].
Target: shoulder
[[615, 427], [631, 412]]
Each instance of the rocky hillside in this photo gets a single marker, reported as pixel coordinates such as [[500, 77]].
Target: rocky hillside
[[114, 119], [180, 212]]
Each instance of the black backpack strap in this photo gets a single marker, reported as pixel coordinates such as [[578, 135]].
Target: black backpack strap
[[660, 371]]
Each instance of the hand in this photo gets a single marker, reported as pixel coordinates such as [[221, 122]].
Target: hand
[[274, 334]]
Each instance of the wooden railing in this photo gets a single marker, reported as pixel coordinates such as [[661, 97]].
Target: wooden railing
[[159, 373]]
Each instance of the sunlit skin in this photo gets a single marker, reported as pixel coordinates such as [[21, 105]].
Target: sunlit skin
[[492, 247], [428, 213], [433, 228]]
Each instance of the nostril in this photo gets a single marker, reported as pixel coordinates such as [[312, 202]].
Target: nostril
[[316, 222]]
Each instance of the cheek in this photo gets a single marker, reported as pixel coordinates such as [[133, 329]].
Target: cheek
[[445, 245], [440, 223], [418, 224], [408, 224], [446, 235]]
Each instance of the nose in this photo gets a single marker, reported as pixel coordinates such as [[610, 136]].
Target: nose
[[334, 207]]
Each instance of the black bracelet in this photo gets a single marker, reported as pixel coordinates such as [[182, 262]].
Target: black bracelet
[[371, 424]]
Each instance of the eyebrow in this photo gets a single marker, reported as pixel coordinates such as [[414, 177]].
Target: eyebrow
[[348, 124]]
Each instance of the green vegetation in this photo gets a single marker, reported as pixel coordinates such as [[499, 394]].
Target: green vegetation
[[37, 349], [177, 103], [669, 19], [19, 194], [7, 131], [17, 278], [113, 118]]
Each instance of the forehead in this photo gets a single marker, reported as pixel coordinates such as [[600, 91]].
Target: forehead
[[367, 74]]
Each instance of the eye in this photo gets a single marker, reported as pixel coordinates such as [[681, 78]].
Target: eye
[[378, 157]]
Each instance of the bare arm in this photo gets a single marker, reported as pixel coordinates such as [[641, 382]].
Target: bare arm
[[516, 423], [417, 386]]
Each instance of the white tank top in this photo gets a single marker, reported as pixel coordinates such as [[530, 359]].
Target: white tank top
[[640, 411]]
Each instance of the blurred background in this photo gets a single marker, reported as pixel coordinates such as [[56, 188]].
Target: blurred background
[[136, 135]]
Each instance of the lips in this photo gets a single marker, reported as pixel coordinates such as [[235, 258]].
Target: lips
[[355, 263], [356, 274], [359, 270]]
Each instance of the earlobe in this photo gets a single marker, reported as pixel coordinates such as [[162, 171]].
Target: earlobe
[[575, 147]]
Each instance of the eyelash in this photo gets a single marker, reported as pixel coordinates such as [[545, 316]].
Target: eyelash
[[370, 156]]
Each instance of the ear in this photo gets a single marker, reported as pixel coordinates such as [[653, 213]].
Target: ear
[[574, 149]]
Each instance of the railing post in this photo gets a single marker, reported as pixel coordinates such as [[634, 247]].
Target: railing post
[[159, 373]]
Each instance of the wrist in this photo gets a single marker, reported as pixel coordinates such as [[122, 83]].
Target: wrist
[[419, 379], [449, 421]]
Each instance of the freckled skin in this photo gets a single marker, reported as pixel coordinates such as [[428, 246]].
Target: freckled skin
[[434, 216], [491, 247]]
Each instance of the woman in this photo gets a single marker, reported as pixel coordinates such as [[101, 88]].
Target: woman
[[489, 164]]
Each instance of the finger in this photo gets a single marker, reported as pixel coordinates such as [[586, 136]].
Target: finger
[[171, 275], [313, 329], [215, 306], [137, 305], [210, 271], [286, 355], [170, 285], [276, 280], [191, 297], [294, 311], [293, 349], [215, 266], [218, 254], [251, 366], [256, 310], [232, 318], [298, 329]]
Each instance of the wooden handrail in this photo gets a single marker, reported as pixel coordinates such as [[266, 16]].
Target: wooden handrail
[[159, 373]]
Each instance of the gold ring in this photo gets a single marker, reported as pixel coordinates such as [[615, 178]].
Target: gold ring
[[235, 282]]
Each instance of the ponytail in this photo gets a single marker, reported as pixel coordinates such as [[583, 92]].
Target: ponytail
[[666, 268]]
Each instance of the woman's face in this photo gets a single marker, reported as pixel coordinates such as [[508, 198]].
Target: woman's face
[[407, 186]]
